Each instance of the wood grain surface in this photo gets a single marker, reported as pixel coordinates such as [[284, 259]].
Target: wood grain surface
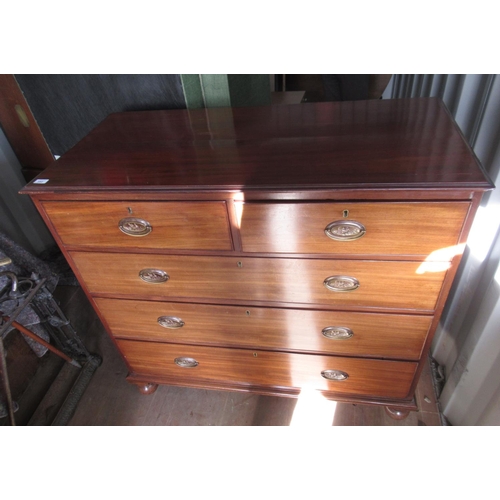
[[249, 368], [26, 138], [249, 284], [400, 143], [69, 106], [391, 336], [417, 229], [382, 283], [175, 225]]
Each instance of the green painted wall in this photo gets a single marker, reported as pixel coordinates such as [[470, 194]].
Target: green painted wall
[[215, 91], [193, 93]]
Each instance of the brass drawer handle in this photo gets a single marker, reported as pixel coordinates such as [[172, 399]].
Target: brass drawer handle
[[135, 227], [341, 283], [153, 276], [337, 332], [186, 362], [170, 322], [336, 375], [345, 230]]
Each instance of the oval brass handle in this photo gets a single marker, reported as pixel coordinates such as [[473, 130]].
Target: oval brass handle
[[337, 332], [186, 362], [345, 230], [170, 322], [135, 227], [153, 276], [341, 283], [336, 375]]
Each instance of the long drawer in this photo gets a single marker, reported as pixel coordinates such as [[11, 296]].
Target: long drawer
[[150, 225], [411, 229], [252, 369], [383, 284], [389, 336]]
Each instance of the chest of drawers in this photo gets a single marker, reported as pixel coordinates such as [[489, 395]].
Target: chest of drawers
[[269, 249]]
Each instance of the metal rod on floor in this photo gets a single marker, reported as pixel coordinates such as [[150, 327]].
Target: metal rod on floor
[[5, 382], [36, 338], [69, 406]]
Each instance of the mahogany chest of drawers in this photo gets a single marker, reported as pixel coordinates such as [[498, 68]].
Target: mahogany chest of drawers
[[269, 249]]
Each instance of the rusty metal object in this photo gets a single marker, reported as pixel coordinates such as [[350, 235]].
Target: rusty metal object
[[36, 338]]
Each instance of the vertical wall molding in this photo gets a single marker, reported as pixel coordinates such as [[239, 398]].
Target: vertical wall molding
[[193, 93], [217, 91]]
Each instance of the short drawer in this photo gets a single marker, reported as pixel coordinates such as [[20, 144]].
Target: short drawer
[[149, 225], [410, 229], [187, 365], [392, 336], [382, 284]]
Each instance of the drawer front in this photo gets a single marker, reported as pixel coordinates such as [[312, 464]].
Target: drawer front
[[148, 225], [412, 229], [393, 336], [251, 369], [381, 284]]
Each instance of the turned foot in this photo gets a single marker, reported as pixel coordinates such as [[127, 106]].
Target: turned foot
[[147, 388], [397, 413]]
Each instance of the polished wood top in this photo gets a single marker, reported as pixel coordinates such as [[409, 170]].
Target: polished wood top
[[400, 143]]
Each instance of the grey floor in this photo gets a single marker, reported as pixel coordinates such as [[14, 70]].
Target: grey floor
[[110, 400]]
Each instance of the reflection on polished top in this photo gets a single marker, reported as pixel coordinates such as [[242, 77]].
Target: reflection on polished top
[[401, 143]]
